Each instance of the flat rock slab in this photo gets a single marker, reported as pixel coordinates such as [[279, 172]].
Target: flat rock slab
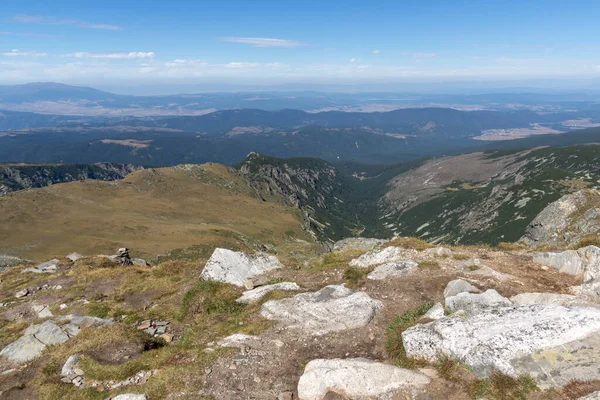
[[393, 269], [476, 302], [591, 396], [239, 340], [129, 396], [356, 378], [357, 243], [254, 295], [493, 339], [546, 298], [333, 308], [568, 262], [37, 337], [559, 365], [377, 257], [236, 267]]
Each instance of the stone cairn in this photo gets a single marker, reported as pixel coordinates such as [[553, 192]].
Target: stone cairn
[[123, 256]]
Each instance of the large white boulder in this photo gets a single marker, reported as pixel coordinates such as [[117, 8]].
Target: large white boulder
[[356, 378], [392, 269], [476, 302], [254, 295], [459, 286], [568, 261], [333, 308], [493, 339], [377, 257], [236, 268]]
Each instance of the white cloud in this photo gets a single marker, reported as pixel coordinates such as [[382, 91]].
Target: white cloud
[[241, 65], [39, 19], [375, 52], [597, 68], [112, 56], [352, 60], [19, 53], [262, 42], [424, 55]]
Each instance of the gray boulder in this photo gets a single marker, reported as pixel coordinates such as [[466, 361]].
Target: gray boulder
[[493, 339], [438, 251], [476, 302], [459, 286], [74, 256], [357, 243], [566, 221], [333, 308], [357, 378], [377, 257], [236, 267], [254, 295], [393, 269], [568, 262]]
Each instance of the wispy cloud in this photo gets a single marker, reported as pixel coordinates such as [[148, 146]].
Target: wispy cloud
[[597, 68], [24, 34], [262, 42], [39, 19], [375, 52], [19, 53], [352, 60], [424, 55], [112, 56]]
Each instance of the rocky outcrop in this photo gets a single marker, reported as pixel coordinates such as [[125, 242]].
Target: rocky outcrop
[[236, 267], [333, 308], [49, 267], [435, 312], [377, 257], [254, 295], [494, 339], [393, 269], [566, 221], [356, 378], [19, 177], [37, 337]]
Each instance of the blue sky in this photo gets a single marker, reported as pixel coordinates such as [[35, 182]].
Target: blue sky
[[273, 42]]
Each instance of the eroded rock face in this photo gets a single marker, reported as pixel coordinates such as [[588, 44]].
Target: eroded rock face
[[48, 267], [493, 339], [566, 221], [568, 262], [356, 378], [357, 243], [254, 295], [236, 267], [377, 257], [333, 308], [9, 261], [393, 269], [37, 337]]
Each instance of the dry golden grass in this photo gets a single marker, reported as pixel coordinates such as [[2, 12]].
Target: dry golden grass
[[151, 212]]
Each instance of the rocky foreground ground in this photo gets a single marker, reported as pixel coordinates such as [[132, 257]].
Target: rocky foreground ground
[[369, 320]]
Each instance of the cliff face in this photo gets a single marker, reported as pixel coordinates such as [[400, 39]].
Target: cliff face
[[22, 176], [567, 221]]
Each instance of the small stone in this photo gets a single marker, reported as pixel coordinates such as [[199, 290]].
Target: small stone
[[144, 325], [249, 285], [22, 293], [151, 331], [166, 337], [256, 379], [161, 323], [286, 396]]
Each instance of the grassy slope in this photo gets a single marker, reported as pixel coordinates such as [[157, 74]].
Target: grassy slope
[[151, 212]]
